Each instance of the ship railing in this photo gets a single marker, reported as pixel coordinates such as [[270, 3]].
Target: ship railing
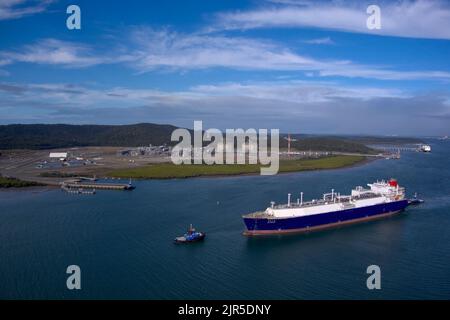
[[328, 200], [344, 198], [362, 190], [367, 195], [304, 204]]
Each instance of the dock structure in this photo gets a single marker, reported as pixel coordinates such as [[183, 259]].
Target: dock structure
[[77, 190], [77, 184], [394, 148]]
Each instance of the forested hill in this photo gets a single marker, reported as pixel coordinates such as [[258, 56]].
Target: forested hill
[[48, 136], [336, 144]]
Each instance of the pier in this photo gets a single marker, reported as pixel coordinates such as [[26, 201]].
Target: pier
[[396, 148], [77, 190], [79, 184]]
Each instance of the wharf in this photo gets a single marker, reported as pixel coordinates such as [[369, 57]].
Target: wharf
[[72, 184]]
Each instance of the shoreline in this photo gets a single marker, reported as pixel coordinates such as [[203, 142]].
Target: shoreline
[[33, 189], [54, 184]]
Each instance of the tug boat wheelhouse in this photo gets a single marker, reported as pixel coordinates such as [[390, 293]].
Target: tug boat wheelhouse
[[381, 199], [191, 236]]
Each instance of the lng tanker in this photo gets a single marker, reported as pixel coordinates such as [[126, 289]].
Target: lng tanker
[[381, 199]]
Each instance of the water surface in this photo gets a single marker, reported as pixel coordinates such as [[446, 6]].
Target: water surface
[[123, 240]]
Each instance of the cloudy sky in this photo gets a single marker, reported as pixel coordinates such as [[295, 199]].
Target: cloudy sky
[[300, 66]]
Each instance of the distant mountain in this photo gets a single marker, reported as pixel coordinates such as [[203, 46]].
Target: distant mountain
[[49, 136]]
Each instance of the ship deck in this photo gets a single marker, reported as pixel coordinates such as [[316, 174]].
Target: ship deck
[[321, 202]]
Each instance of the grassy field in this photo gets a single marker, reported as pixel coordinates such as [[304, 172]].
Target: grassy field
[[16, 183], [169, 170]]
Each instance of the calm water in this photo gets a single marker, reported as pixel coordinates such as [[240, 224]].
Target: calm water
[[123, 240]]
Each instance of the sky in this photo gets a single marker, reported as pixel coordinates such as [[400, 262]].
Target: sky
[[294, 65]]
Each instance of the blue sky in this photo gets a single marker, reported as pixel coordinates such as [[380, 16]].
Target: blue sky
[[300, 66]]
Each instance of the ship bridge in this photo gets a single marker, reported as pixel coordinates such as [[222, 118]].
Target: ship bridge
[[389, 189]]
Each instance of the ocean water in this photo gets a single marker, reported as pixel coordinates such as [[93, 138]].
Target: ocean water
[[122, 241]]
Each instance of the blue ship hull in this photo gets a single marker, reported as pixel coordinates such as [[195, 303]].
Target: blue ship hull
[[260, 225]]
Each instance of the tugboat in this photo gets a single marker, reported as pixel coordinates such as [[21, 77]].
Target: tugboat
[[415, 201], [191, 236]]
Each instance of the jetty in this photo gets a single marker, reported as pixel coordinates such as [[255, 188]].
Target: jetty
[[395, 148], [77, 190], [82, 184]]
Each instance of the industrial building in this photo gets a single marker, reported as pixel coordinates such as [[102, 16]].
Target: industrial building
[[59, 155]]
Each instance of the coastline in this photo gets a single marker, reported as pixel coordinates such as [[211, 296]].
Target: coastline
[[33, 189], [45, 184]]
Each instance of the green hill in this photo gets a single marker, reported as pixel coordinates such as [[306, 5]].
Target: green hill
[[319, 143], [49, 136]]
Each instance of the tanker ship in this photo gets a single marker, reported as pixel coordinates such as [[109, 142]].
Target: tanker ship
[[381, 199]]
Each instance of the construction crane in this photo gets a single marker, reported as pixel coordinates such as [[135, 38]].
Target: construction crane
[[289, 140]]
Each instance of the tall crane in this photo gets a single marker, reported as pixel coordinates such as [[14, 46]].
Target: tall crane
[[289, 139]]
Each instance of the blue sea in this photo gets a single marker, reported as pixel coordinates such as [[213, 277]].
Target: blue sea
[[123, 241]]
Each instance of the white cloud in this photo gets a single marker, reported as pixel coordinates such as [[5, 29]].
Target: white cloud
[[157, 49], [15, 9], [294, 91], [57, 52], [147, 50], [297, 91], [415, 19], [52, 51], [288, 105], [320, 41], [175, 51], [4, 62]]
